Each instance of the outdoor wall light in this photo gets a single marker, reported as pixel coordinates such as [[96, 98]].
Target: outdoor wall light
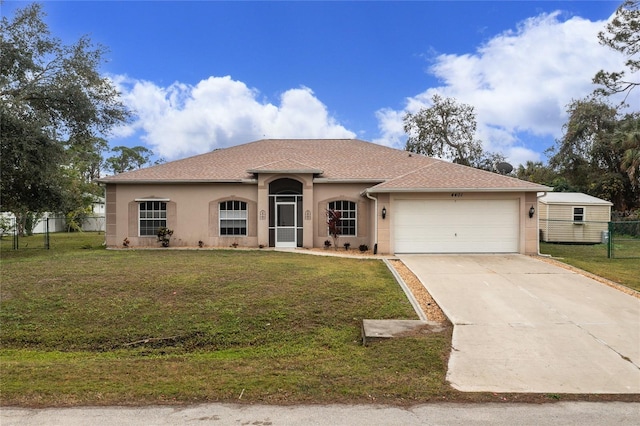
[[384, 212], [532, 211]]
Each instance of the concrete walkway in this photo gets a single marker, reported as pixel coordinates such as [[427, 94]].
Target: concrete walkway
[[523, 325]]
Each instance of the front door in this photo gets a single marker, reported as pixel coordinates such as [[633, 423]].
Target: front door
[[286, 224]]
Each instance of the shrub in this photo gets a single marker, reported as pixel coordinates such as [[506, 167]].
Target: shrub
[[164, 236]]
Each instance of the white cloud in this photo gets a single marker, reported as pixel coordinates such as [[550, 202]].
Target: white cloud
[[519, 81], [181, 120]]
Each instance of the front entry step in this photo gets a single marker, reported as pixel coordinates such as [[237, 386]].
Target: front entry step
[[385, 329]]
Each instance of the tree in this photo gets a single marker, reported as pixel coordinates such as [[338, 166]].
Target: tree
[[623, 35], [535, 171], [52, 99], [85, 154], [445, 130], [128, 158], [30, 162], [629, 138], [590, 157]]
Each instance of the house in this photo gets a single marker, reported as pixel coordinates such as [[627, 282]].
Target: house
[[95, 220], [573, 217], [56, 222], [276, 192]]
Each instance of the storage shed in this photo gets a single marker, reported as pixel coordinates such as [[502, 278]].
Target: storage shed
[[573, 217]]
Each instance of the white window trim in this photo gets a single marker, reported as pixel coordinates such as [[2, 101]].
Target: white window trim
[[355, 204], [573, 215], [142, 200], [245, 218]]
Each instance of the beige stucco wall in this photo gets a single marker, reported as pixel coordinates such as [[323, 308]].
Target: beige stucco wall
[[327, 192], [193, 212], [531, 232]]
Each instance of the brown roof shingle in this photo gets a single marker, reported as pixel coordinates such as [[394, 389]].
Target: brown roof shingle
[[330, 160]]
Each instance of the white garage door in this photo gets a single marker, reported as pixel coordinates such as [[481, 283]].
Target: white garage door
[[456, 226]]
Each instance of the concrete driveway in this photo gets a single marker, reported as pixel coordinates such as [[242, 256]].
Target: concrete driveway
[[524, 325]]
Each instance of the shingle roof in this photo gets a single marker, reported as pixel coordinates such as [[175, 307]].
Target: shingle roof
[[445, 176], [572, 198], [330, 160], [285, 166]]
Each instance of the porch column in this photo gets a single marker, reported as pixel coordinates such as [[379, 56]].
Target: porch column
[[263, 212], [308, 218]]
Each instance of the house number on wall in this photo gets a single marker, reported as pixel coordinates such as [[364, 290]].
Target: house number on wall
[[456, 194]]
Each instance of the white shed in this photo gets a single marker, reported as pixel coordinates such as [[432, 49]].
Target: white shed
[[573, 217]]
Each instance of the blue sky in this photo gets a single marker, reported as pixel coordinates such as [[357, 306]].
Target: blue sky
[[204, 75]]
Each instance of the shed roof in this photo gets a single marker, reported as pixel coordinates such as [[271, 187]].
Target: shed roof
[[572, 198]]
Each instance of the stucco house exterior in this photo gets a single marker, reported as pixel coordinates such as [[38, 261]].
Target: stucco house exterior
[[573, 217], [275, 193]]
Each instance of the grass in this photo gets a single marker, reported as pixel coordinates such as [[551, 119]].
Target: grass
[[83, 325], [593, 258]]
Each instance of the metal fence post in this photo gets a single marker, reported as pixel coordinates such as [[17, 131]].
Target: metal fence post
[[46, 233], [15, 234], [610, 242]]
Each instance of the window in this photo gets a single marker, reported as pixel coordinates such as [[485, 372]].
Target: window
[[233, 218], [153, 215], [578, 215], [348, 216]]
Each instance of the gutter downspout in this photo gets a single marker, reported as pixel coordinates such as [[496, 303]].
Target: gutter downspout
[[538, 225], [104, 185], [375, 222]]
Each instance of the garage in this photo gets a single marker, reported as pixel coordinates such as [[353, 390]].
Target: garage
[[456, 226]]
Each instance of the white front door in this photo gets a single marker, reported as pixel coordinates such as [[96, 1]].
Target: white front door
[[286, 225]]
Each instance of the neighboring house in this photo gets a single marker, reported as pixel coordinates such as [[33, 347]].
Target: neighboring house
[[573, 217], [56, 223], [94, 221], [275, 193]]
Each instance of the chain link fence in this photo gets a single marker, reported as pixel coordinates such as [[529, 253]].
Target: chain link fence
[[623, 240], [618, 239], [42, 231]]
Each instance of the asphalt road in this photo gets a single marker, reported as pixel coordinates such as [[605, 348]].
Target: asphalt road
[[561, 413]]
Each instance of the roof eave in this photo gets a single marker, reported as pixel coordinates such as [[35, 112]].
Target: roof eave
[[577, 203], [375, 190], [174, 181], [347, 180]]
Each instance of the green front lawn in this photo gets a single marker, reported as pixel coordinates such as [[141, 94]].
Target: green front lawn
[[85, 325], [593, 258], [82, 325]]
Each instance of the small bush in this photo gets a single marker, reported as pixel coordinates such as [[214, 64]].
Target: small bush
[[363, 247], [164, 236]]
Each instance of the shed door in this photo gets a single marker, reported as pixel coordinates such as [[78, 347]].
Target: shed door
[[456, 226]]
